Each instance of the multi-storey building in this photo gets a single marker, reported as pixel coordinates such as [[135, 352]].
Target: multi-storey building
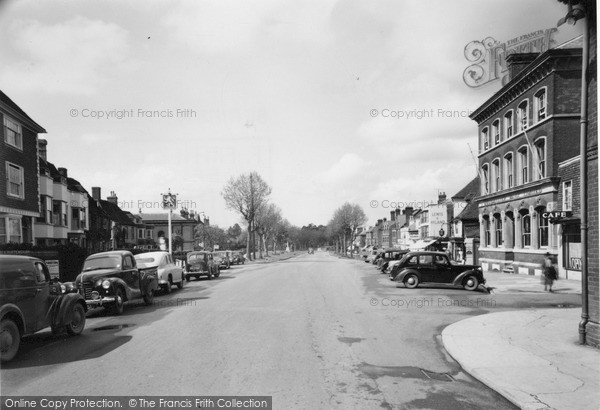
[[64, 205], [526, 130], [182, 227], [464, 229], [19, 192]]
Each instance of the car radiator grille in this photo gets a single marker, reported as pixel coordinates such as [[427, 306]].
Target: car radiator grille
[[85, 290]]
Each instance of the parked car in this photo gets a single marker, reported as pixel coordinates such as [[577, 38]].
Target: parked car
[[109, 279], [238, 258], [372, 255], [32, 301], [390, 255], [201, 263], [435, 267], [222, 259], [161, 265]]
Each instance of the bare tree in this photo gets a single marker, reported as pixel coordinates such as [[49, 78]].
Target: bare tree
[[267, 218], [344, 224], [245, 195]]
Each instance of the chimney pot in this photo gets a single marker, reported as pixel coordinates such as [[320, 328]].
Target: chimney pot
[[96, 193]]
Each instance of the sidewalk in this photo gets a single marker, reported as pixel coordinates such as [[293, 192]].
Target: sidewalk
[[519, 283], [531, 357], [273, 258]]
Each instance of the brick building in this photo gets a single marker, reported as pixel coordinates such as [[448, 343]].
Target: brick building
[[526, 130], [19, 192]]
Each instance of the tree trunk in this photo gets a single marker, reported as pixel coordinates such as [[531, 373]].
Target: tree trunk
[[248, 241]]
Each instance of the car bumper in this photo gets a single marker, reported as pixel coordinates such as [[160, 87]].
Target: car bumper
[[101, 301]]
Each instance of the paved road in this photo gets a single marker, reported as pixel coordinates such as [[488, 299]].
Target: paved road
[[314, 332]]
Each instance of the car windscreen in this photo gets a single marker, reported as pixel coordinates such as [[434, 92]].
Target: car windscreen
[[195, 257], [146, 262], [103, 262]]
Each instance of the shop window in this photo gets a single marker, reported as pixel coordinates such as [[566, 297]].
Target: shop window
[[542, 230], [526, 229], [508, 124], [498, 229], [486, 227]]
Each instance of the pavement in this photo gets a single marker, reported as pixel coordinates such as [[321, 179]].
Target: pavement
[[531, 357], [274, 257]]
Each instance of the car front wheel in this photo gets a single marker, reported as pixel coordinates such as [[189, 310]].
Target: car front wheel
[[218, 273], [411, 281], [117, 308], [471, 283], [180, 284], [77, 323], [168, 287], [10, 339]]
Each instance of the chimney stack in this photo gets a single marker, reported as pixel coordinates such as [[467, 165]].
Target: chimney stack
[[408, 211], [96, 193], [393, 215], [112, 198], [63, 172], [441, 197], [516, 62], [42, 150]]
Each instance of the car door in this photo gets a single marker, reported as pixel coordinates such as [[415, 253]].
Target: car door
[[130, 275], [427, 268], [43, 298], [444, 270]]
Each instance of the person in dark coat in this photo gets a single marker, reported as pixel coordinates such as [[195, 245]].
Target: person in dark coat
[[550, 274]]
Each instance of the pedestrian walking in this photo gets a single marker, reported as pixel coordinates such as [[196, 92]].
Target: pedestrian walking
[[549, 271]]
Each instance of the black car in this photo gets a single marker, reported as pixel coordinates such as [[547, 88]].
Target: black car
[[436, 267], [390, 255], [32, 301], [201, 263], [109, 279]]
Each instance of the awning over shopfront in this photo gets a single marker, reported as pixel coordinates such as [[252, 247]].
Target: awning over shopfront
[[421, 245]]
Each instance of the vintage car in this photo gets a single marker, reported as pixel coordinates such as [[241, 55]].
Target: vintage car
[[372, 255], [222, 258], [32, 301], [163, 267], [200, 263], [238, 258], [109, 279], [390, 255], [436, 267]]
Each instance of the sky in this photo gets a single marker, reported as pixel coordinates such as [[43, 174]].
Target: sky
[[330, 101]]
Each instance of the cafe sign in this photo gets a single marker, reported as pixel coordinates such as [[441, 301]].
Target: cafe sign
[[556, 215], [488, 56]]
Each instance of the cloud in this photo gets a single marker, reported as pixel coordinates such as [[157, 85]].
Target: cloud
[[75, 56], [349, 166]]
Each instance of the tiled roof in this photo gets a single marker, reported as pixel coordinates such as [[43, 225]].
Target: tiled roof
[[164, 217], [20, 113], [470, 213], [469, 191], [115, 213]]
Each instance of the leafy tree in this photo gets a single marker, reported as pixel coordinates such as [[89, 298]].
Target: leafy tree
[[245, 195], [344, 224]]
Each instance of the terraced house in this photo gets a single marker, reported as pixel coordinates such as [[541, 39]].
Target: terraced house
[[528, 132], [19, 188]]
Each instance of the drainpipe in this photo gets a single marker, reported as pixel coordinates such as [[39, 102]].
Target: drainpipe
[[583, 185]]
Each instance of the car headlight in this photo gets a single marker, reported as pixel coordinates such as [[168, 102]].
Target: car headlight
[[106, 284], [63, 288]]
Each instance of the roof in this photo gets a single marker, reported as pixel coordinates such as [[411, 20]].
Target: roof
[[164, 217], [120, 253], [115, 213], [471, 212], [20, 114], [469, 191]]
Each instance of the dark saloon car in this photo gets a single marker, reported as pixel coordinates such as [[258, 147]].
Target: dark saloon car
[[238, 258], [390, 255], [31, 301], [222, 258], [201, 263], [109, 279], [436, 267]]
